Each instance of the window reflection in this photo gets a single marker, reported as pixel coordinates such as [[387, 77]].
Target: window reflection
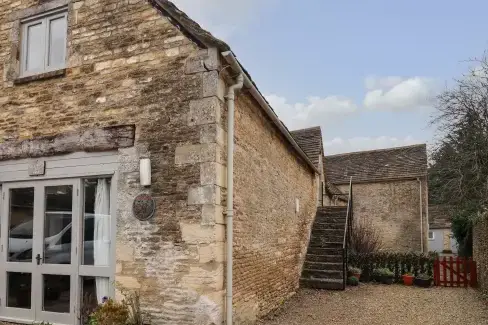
[[21, 224]]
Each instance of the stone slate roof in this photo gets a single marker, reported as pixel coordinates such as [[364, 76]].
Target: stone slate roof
[[439, 217], [310, 140], [375, 165]]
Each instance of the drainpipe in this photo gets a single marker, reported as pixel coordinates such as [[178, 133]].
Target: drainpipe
[[230, 192], [421, 218]]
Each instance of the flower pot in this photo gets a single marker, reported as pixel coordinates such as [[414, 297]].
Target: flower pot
[[357, 275], [386, 279], [424, 283], [408, 280]]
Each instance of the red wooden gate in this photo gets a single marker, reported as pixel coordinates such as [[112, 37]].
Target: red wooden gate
[[455, 272]]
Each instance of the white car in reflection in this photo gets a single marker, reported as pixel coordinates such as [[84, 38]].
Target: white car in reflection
[[57, 248]]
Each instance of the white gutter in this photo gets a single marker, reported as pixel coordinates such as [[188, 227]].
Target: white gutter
[[421, 218], [232, 61], [230, 193]]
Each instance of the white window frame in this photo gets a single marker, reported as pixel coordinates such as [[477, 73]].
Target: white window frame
[[433, 235], [44, 19]]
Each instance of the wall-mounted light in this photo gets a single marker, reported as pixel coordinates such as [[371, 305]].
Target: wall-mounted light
[[145, 171]]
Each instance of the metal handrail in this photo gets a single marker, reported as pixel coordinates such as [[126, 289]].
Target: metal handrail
[[347, 233]]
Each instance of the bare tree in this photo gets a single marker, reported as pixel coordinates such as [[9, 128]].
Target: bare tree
[[365, 238]]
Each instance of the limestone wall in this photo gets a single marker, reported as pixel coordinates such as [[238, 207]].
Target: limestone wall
[[270, 237], [394, 209]]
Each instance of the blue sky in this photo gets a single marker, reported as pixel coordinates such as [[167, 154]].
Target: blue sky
[[367, 72]]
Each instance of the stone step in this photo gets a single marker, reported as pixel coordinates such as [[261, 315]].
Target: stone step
[[324, 232], [328, 225], [325, 245], [323, 266], [326, 238], [324, 258], [322, 274], [329, 284], [332, 208], [332, 251], [323, 241], [341, 221]]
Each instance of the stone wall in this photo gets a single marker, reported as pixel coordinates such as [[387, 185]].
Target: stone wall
[[270, 237], [127, 64], [393, 208], [480, 253]]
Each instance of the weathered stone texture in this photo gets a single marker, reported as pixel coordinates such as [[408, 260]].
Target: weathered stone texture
[[394, 210], [480, 252], [128, 65], [270, 238]]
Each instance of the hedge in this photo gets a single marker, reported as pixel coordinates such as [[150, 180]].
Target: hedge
[[399, 263]]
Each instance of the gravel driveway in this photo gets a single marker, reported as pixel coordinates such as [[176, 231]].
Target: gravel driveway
[[383, 305]]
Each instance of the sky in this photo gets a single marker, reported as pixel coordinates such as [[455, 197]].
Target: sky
[[366, 72]]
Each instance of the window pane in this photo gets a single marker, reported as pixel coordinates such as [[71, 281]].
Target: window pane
[[96, 225], [19, 287], [56, 289], [57, 42], [93, 292], [21, 224], [58, 224], [34, 47]]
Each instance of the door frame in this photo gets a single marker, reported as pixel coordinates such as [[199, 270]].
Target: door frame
[[78, 270]]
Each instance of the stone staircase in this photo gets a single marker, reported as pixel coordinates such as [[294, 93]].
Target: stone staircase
[[323, 267]]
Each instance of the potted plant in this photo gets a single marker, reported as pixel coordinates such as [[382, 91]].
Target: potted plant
[[355, 271], [352, 281], [423, 280], [383, 275], [408, 279]]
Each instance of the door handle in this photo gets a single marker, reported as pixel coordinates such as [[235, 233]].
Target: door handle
[[39, 259]]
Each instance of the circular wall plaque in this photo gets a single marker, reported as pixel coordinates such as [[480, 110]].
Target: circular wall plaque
[[143, 207]]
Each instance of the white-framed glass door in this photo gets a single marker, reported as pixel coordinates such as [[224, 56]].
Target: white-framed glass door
[[39, 267]]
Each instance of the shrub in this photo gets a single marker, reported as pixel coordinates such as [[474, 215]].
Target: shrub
[[398, 263], [110, 313], [423, 276], [352, 280], [383, 272], [365, 238], [408, 274]]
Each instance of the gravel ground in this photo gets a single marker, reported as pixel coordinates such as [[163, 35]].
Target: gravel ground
[[371, 304]]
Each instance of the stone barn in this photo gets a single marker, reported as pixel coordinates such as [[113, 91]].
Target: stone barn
[[130, 139], [390, 191]]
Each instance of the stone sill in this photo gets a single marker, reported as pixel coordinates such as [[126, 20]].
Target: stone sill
[[40, 76]]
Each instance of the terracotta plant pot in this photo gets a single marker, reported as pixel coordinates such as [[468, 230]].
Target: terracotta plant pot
[[357, 275], [408, 279]]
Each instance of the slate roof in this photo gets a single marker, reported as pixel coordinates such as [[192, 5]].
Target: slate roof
[[375, 165], [439, 217], [310, 140]]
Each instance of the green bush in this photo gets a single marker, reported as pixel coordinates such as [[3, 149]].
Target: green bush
[[354, 270], [110, 313], [397, 262], [383, 272], [352, 281]]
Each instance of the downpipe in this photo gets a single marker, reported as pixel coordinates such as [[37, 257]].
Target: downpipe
[[230, 194], [421, 217]]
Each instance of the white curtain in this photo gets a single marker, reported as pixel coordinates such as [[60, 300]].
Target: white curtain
[[101, 236]]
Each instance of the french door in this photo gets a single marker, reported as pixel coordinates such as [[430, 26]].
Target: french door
[[39, 265]]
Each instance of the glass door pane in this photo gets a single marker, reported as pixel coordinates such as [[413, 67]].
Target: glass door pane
[[21, 224], [58, 218]]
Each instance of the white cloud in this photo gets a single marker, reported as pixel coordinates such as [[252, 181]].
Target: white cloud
[[339, 145], [223, 17], [396, 93], [315, 111]]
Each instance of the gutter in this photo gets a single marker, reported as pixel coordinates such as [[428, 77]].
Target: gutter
[[236, 66]]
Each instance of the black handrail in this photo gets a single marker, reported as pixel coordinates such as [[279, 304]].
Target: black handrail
[[347, 234]]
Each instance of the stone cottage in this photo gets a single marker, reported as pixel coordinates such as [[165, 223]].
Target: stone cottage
[[389, 190], [441, 238], [116, 169]]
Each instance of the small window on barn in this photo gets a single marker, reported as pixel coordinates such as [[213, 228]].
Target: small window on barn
[[43, 46], [431, 235]]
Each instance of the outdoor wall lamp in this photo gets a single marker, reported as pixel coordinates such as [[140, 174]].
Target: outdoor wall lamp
[[145, 171]]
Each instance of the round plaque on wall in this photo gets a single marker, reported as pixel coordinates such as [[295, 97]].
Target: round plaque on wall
[[143, 207]]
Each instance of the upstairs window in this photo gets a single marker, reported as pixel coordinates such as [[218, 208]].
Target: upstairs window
[[43, 46]]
